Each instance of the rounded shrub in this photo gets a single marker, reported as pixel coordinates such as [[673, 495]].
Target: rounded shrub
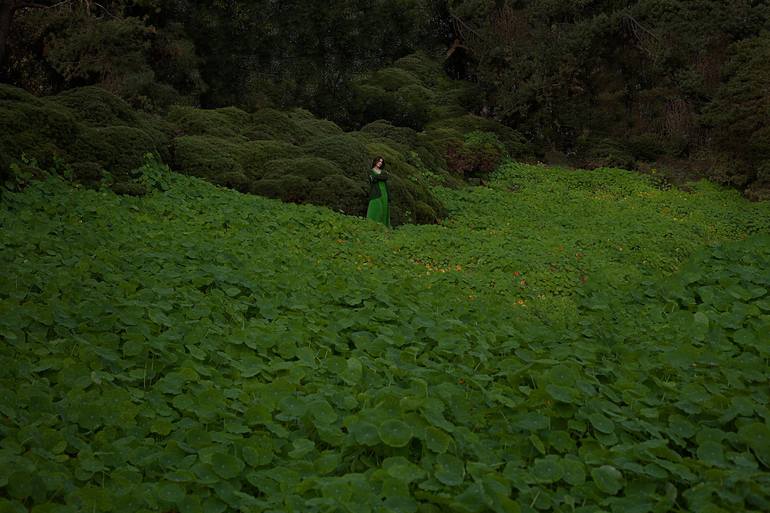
[[290, 188], [515, 144], [278, 125], [392, 79], [215, 159], [413, 104], [346, 151], [340, 193], [404, 137], [425, 69], [318, 127], [227, 123], [97, 107], [34, 127], [310, 168], [255, 156], [118, 149]]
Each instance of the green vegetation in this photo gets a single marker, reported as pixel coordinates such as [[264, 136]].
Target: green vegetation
[[564, 341]]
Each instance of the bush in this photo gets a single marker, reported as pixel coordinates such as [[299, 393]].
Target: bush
[[311, 168], [118, 149], [404, 137], [647, 147], [346, 151], [479, 154], [97, 107], [318, 127], [255, 156], [277, 125], [340, 193], [392, 79], [224, 123], [215, 159], [419, 65], [515, 144], [33, 127], [290, 188]]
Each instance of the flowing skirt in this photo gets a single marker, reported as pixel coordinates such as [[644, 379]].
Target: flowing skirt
[[378, 207]]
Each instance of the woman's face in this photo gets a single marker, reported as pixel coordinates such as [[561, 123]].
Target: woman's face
[[379, 163]]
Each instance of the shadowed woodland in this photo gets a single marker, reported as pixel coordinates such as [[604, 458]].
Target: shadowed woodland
[[676, 88]]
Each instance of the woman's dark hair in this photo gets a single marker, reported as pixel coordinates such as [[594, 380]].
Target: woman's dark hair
[[374, 162]]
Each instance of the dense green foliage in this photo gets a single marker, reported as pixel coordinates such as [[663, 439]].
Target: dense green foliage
[[565, 341], [621, 83], [95, 137], [591, 84]]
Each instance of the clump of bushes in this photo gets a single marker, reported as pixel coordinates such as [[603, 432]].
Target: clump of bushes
[[86, 132], [478, 155]]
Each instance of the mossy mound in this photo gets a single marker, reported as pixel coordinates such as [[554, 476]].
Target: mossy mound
[[345, 150], [227, 122], [257, 156], [311, 168], [514, 142], [118, 149], [214, 158], [290, 155], [80, 129], [97, 107], [280, 126], [402, 136]]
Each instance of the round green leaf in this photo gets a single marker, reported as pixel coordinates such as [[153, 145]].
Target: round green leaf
[[548, 469], [601, 423], [395, 433], [574, 471], [171, 492], [607, 479], [437, 440], [226, 466], [711, 452], [449, 469]]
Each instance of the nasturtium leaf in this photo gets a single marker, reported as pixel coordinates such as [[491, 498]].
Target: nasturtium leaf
[[259, 452], [601, 423], [258, 414], [449, 469], [537, 443], [711, 452], [226, 466], [364, 432], [402, 469], [548, 469], [302, 446], [530, 421], [395, 433], [353, 371], [180, 476], [757, 437], [327, 462], [607, 479], [161, 426], [574, 471], [436, 440], [322, 412], [170, 492], [562, 393]]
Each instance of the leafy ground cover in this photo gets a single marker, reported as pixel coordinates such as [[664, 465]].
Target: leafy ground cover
[[565, 341]]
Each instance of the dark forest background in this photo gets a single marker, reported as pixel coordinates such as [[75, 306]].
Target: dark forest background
[[676, 85]]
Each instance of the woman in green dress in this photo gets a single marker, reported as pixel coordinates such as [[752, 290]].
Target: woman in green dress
[[378, 196]]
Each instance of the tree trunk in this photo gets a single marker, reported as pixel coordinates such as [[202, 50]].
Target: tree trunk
[[7, 8]]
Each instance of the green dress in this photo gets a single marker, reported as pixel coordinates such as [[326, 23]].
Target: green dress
[[378, 198]]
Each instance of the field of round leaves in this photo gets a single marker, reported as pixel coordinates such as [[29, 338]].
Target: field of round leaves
[[565, 341]]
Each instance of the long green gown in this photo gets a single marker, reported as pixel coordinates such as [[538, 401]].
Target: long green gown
[[378, 198]]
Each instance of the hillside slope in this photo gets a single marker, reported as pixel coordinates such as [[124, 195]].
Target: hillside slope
[[562, 342]]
